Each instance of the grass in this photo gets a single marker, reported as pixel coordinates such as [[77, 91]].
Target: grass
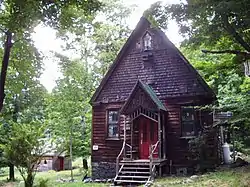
[[223, 177], [52, 177]]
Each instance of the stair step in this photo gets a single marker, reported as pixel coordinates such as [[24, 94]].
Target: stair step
[[137, 177], [134, 165], [135, 168], [135, 172], [130, 181]]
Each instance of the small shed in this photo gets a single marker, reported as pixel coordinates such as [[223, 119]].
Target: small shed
[[54, 161]]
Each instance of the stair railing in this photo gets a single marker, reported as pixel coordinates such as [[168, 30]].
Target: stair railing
[[130, 150], [118, 157], [123, 150], [152, 149]]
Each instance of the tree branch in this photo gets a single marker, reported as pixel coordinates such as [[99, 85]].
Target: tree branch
[[234, 33], [236, 52]]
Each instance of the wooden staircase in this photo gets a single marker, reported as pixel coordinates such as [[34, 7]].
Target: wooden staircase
[[133, 172]]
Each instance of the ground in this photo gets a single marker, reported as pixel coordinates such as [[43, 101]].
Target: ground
[[223, 177]]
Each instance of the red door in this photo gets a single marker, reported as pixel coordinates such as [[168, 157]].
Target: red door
[[61, 159], [148, 134]]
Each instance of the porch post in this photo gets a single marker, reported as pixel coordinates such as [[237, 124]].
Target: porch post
[[124, 134], [131, 138], [164, 136], [159, 133]]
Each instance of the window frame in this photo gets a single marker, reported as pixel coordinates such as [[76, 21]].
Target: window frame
[[193, 122], [144, 42], [108, 137]]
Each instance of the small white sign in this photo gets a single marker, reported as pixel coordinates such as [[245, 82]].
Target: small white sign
[[95, 147]]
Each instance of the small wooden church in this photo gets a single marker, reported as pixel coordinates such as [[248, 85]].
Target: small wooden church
[[146, 110]]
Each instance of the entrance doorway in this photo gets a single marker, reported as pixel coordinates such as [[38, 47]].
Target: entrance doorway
[[148, 135]]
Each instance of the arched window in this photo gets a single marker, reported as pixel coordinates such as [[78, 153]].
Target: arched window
[[147, 42]]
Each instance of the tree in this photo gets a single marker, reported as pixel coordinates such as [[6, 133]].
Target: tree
[[207, 22], [21, 78], [25, 149], [18, 18], [68, 106], [23, 125]]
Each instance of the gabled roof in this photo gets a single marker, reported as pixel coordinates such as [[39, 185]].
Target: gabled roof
[[171, 72], [143, 22], [149, 92]]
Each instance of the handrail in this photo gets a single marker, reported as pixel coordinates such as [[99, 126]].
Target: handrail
[[155, 146], [130, 149], [128, 145], [118, 157], [152, 149]]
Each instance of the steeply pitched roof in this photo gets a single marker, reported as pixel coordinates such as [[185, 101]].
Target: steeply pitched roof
[[170, 72], [149, 90], [142, 23]]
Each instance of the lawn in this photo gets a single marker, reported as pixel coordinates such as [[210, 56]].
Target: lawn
[[52, 178], [223, 177]]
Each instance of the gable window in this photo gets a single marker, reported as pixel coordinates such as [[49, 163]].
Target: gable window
[[188, 121], [113, 119], [147, 42]]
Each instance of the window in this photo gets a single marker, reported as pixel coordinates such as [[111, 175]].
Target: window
[[147, 42], [188, 121], [113, 130]]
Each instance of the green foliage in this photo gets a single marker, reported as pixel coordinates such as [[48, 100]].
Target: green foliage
[[57, 14], [96, 42], [206, 22], [43, 183], [68, 107], [24, 148]]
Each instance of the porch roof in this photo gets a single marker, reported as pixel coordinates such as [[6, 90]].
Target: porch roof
[[153, 96], [149, 91]]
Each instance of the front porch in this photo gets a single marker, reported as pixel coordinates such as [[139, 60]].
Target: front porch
[[144, 137]]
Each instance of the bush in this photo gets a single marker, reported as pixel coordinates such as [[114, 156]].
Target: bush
[[43, 183]]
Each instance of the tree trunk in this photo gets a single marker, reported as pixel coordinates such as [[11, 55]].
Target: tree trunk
[[29, 180], [5, 62], [11, 172]]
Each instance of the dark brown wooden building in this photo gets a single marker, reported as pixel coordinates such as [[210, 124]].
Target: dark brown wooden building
[[144, 111]]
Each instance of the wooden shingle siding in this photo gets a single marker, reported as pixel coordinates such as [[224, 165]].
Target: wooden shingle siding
[[107, 149], [172, 79], [169, 73]]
